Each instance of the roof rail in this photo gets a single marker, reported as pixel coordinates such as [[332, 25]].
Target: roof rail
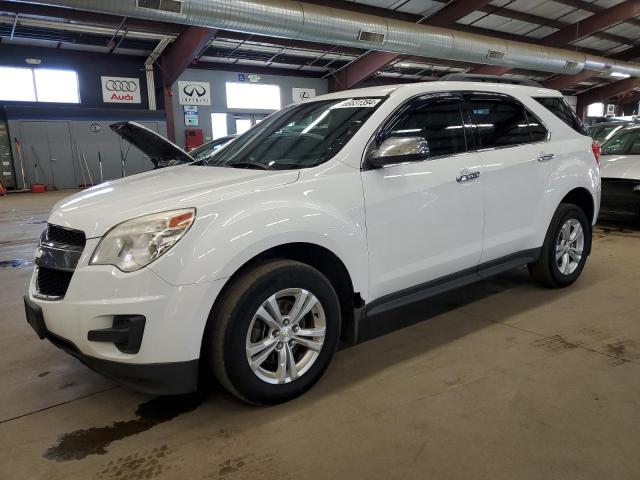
[[471, 77]]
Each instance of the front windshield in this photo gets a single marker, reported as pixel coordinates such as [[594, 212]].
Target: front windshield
[[206, 151], [625, 142], [299, 136]]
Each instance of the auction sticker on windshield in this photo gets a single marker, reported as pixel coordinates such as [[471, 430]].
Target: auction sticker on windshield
[[358, 103]]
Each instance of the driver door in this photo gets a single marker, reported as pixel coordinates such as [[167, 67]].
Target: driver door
[[424, 218]]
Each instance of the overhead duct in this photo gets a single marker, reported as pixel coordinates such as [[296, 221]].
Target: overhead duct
[[317, 23]]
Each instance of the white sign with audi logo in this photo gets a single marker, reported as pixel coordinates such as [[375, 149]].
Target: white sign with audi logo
[[194, 93], [121, 90]]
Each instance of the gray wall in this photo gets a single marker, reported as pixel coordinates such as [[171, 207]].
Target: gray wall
[[218, 79], [49, 136]]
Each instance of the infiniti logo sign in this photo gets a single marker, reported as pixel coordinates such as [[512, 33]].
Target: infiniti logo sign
[[197, 90], [194, 93]]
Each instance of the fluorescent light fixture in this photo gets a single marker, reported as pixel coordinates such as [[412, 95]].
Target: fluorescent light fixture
[[619, 75]]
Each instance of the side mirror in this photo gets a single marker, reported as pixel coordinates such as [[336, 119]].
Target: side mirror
[[399, 150]]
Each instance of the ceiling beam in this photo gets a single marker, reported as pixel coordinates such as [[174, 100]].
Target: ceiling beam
[[490, 70], [593, 8], [183, 51], [595, 23], [572, 33], [628, 55], [542, 21], [374, 61], [606, 92], [562, 82]]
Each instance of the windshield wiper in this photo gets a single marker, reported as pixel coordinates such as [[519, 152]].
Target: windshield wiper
[[254, 165]]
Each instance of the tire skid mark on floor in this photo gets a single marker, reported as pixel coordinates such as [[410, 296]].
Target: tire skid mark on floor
[[144, 464]]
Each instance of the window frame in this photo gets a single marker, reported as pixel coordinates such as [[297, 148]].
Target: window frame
[[473, 146], [574, 116], [527, 111], [403, 109]]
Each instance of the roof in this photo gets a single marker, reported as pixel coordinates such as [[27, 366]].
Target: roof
[[383, 90]]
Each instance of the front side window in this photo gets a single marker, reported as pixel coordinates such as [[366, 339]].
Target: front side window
[[623, 143], [300, 136], [502, 121], [438, 121]]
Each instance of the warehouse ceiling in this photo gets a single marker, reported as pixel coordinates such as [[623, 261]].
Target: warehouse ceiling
[[606, 28]]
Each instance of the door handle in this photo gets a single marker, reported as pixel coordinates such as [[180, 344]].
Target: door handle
[[545, 157], [467, 176]]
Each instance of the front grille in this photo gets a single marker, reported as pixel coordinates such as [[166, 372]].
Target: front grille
[[65, 236], [53, 283], [59, 251]]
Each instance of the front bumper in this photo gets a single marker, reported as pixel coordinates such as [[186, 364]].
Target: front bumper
[[171, 378], [166, 359]]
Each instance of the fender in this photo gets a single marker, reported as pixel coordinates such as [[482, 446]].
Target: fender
[[322, 208], [569, 172]]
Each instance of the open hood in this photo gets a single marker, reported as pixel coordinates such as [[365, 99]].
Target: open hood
[[161, 151]]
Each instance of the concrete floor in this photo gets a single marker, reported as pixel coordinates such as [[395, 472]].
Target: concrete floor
[[504, 380]]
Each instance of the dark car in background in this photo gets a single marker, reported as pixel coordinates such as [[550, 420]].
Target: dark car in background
[[620, 173]]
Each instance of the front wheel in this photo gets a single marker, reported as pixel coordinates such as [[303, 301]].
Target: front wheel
[[275, 333], [565, 248]]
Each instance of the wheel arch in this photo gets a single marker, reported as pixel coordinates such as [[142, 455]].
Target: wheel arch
[[582, 198], [318, 257]]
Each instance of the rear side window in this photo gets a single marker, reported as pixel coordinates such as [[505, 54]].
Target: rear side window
[[438, 121], [559, 107], [502, 121]]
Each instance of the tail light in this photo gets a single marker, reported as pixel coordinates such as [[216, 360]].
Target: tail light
[[597, 151]]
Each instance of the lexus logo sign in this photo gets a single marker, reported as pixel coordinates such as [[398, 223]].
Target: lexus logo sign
[[120, 90], [194, 93]]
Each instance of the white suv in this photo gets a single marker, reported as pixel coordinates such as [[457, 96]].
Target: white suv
[[251, 264]]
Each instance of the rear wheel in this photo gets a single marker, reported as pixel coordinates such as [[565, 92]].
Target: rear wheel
[[565, 248], [276, 331]]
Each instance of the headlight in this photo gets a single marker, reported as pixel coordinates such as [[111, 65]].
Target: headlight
[[136, 243]]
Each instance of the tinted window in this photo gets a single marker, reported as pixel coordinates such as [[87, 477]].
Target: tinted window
[[538, 131], [501, 121], [439, 122], [602, 131], [559, 107], [626, 142]]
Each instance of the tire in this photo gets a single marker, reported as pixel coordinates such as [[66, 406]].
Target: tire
[[552, 272], [246, 306]]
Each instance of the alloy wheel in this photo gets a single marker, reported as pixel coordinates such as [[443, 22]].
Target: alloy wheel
[[285, 336], [569, 246]]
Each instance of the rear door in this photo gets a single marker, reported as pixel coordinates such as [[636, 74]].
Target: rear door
[[512, 144], [424, 219]]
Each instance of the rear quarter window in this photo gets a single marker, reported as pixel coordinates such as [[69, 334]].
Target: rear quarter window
[[561, 109]]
